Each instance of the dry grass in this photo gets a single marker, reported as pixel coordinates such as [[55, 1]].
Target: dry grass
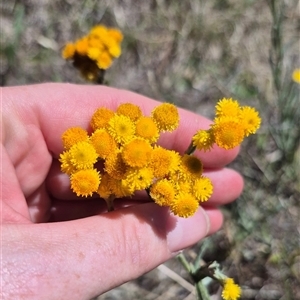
[[192, 53]]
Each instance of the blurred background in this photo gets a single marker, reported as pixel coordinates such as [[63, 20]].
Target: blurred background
[[193, 53]]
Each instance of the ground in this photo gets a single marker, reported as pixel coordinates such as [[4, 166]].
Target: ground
[[193, 53]]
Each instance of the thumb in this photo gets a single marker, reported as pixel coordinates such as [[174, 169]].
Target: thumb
[[84, 258]]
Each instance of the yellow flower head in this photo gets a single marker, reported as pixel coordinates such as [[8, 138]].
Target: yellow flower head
[[83, 155], [68, 51], [296, 76], [227, 108], [192, 166], [138, 179], [147, 129], [98, 31], [228, 132], [202, 189], [115, 34], [104, 189], [66, 164], [93, 53], [132, 111], [85, 182], [137, 153], [115, 166], [101, 117], [74, 135], [203, 140], [162, 192], [166, 117], [114, 50], [103, 143], [82, 46], [164, 161], [231, 290], [104, 60], [121, 128], [250, 120], [183, 185], [184, 206]]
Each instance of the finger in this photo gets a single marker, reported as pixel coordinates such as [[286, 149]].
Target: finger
[[61, 106], [100, 252], [227, 186], [217, 217]]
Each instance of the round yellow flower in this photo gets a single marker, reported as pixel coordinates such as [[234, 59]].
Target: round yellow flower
[[202, 189], [101, 117], [250, 120], [93, 53], [138, 179], [203, 140], [83, 155], [74, 135], [163, 161], [103, 143], [68, 51], [115, 34], [231, 290], [227, 108], [166, 117], [184, 206], [66, 164], [132, 111], [162, 192], [98, 31], [183, 185], [121, 128], [82, 46], [104, 60], [147, 129], [85, 182], [137, 153], [115, 166], [296, 76], [228, 132], [192, 166], [114, 50]]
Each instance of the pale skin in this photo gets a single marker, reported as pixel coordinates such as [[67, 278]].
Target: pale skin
[[58, 246]]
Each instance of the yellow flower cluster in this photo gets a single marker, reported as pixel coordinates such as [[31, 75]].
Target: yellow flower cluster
[[231, 125], [231, 291], [95, 51], [121, 156]]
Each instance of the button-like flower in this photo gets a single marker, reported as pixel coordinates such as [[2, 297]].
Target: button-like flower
[[231, 291], [83, 155], [166, 117], [185, 205], [85, 182]]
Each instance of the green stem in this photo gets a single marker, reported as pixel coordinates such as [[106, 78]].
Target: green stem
[[184, 262], [201, 290], [191, 148], [110, 203]]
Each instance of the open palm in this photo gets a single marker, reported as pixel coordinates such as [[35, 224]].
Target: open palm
[[58, 246]]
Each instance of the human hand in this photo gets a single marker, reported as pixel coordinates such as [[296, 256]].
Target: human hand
[[58, 246]]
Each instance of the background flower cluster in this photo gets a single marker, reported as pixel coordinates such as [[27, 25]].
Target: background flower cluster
[[94, 51]]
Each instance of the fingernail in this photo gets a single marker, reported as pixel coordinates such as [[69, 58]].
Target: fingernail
[[186, 232]]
